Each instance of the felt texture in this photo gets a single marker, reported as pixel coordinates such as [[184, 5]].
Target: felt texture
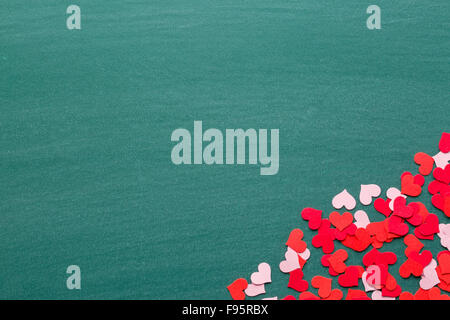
[[86, 118]]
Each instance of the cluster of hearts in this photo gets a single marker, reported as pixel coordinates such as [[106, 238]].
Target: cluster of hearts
[[358, 235]]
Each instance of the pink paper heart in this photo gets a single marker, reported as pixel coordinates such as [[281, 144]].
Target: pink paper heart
[[344, 199], [254, 290], [262, 275], [376, 295], [291, 263], [442, 159], [444, 235], [429, 276], [362, 220], [368, 191]]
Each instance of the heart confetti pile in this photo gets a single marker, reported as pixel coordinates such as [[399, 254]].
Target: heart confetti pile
[[402, 218]]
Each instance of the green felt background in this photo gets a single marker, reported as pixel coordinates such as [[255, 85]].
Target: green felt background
[[86, 118]]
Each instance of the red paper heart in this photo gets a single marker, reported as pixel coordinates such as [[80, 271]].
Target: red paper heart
[[350, 277], [430, 226], [413, 244], [438, 187], [444, 262], [405, 295], [409, 267], [353, 294], [442, 175], [359, 242], [308, 296], [382, 206], [423, 258], [435, 294], [336, 294], [409, 187], [391, 283], [376, 257], [425, 161], [447, 205], [444, 278], [314, 217], [295, 241], [397, 226], [391, 293], [421, 236], [421, 294], [325, 237], [323, 284], [444, 143], [438, 200], [296, 281], [401, 209], [326, 264], [237, 288], [336, 260], [341, 221]]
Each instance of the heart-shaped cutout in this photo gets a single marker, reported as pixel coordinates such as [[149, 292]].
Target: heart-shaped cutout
[[337, 259], [361, 219], [263, 275], [291, 263], [344, 199], [323, 284], [382, 206], [341, 221], [254, 290], [442, 175], [295, 241], [314, 217], [376, 295], [412, 244], [350, 277], [444, 143], [425, 161], [442, 159], [296, 281], [410, 187], [237, 288], [368, 191]]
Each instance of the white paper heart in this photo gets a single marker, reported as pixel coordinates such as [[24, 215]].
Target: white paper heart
[[376, 295], [429, 277], [361, 219], [254, 290], [291, 263], [262, 275], [442, 159], [368, 191], [344, 199]]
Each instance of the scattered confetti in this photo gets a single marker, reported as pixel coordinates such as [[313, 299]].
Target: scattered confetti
[[400, 218]]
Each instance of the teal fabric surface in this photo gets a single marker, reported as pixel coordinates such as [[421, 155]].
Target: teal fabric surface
[[86, 117]]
